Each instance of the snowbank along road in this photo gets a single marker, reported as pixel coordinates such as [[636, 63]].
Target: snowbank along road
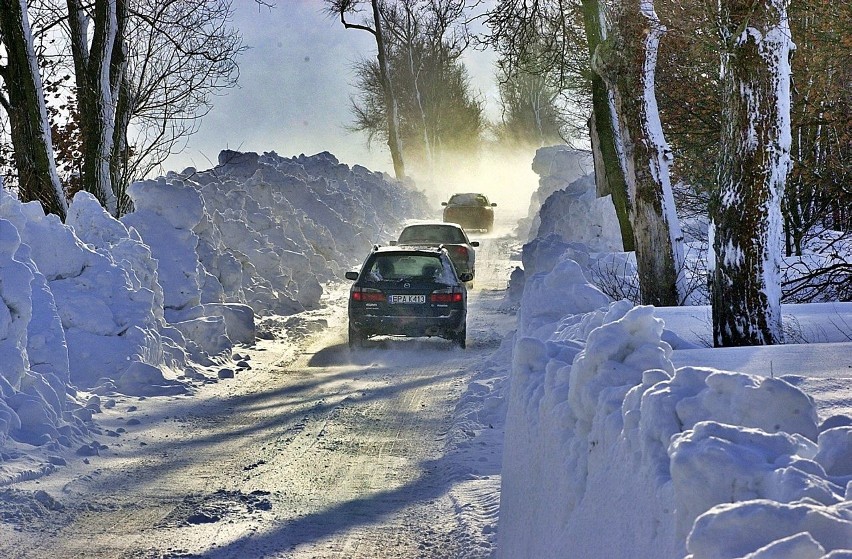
[[314, 451]]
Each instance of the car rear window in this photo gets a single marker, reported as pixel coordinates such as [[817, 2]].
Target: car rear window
[[391, 267], [431, 234], [468, 199]]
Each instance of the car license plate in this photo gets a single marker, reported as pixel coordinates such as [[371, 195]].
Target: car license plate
[[406, 299]]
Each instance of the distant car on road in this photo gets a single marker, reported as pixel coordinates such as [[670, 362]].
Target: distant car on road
[[407, 291], [451, 235], [471, 210]]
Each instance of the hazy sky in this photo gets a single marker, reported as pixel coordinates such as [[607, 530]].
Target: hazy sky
[[294, 89]]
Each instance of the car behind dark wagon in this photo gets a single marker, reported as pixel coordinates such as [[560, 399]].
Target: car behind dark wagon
[[451, 236], [407, 291]]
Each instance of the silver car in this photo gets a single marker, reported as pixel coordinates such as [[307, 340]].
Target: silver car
[[436, 233]]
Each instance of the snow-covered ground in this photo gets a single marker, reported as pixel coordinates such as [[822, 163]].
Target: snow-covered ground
[[625, 436]]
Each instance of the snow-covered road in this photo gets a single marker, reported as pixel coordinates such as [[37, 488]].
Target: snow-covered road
[[316, 451]]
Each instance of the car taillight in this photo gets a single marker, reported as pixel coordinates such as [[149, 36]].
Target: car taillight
[[448, 296], [460, 250], [367, 295]]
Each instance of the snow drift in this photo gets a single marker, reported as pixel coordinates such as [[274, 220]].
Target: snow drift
[[604, 436], [140, 306]]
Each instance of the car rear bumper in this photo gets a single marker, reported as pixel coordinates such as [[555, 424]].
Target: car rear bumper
[[463, 268], [444, 326], [469, 218]]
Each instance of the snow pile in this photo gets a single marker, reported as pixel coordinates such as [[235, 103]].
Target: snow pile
[[598, 416], [138, 306], [165, 216], [575, 213], [273, 229], [557, 168], [570, 220], [34, 366], [604, 435]]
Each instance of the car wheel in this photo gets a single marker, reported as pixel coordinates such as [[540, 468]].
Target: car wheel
[[356, 339], [461, 337]]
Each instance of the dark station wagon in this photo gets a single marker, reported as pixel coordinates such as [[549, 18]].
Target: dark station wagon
[[407, 291]]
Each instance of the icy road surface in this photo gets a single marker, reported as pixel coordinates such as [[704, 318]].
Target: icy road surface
[[315, 452]]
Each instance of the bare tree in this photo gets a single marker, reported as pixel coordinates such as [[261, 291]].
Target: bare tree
[[424, 41], [25, 106], [437, 113], [818, 194], [342, 8], [180, 54], [150, 71], [131, 104], [530, 115], [745, 209]]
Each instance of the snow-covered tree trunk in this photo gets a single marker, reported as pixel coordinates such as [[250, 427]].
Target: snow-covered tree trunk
[[653, 193], [341, 8], [656, 230], [24, 103], [94, 93], [745, 209], [120, 156], [609, 170], [123, 103]]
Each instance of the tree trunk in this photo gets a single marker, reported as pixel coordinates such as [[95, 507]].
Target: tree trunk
[[424, 120], [745, 209], [120, 88], [30, 129], [394, 142], [659, 243], [94, 95], [120, 156], [609, 171]]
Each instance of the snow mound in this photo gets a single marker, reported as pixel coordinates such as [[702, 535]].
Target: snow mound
[[597, 415], [557, 167]]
